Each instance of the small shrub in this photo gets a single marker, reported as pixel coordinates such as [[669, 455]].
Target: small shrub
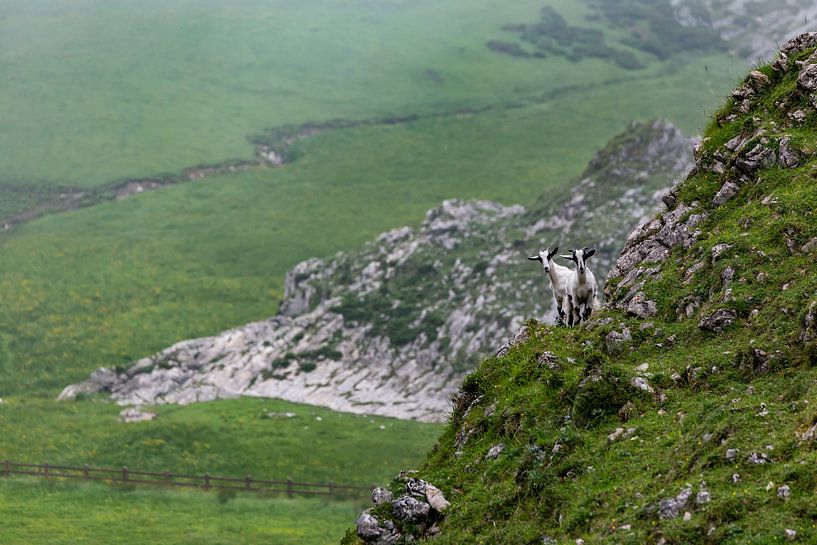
[[598, 395]]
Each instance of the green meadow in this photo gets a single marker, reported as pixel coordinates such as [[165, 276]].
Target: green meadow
[[39, 513], [268, 439], [98, 90], [95, 91], [232, 437]]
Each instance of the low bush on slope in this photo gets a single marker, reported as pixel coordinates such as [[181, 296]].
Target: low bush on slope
[[685, 413]]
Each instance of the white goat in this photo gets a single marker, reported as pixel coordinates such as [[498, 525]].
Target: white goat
[[558, 276], [581, 290]]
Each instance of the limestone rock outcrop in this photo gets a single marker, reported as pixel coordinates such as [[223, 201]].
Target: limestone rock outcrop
[[393, 327]]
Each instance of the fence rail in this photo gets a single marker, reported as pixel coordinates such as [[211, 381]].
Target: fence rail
[[205, 482]]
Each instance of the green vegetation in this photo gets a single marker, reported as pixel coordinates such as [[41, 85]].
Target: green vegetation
[[229, 437], [112, 283], [326, 352], [100, 91], [553, 36], [38, 513], [652, 28], [97, 91], [647, 25], [554, 399], [265, 438]]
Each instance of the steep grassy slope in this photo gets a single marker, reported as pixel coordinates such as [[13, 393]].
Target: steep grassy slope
[[706, 362]]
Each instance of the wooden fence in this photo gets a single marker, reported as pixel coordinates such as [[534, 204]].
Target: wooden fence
[[204, 482]]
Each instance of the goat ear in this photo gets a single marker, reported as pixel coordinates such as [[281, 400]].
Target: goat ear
[[568, 257], [588, 253], [535, 258]]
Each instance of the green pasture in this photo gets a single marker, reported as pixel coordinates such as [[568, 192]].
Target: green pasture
[[268, 439], [232, 437], [98, 90], [39, 513]]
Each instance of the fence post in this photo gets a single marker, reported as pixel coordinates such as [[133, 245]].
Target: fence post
[[45, 469], [167, 478], [248, 482], [289, 487], [85, 473], [124, 473], [207, 481], [331, 488], [6, 469]]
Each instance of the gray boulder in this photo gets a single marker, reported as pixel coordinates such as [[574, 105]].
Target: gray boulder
[[784, 492], [719, 320], [718, 250], [669, 508], [133, 414], [436, 499], [641, 307], [101, 380], [381, 496], [758, 80], [759, 157], [799, 43], [809, 331], [616, 341], [411, 510], [416, 487], [807, 79], [370, 530], [726, 193], [789, 157]]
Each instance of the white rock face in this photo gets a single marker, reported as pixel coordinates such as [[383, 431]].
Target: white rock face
[[315, 355], [392, 328]]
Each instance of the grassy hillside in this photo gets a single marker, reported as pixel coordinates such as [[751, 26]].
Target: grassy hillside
[[709, 372], [96, 90], [109, 284], [106, 285]]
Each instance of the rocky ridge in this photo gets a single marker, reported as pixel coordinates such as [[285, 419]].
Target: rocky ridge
[[757, 144], [392, 328], [682, 412]]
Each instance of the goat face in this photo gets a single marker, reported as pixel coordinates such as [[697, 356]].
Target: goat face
[[544, 257], [579, 257]]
